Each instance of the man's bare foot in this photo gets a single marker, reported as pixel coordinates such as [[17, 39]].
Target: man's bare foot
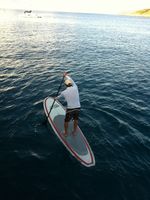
[[65, 134], [74, 133]]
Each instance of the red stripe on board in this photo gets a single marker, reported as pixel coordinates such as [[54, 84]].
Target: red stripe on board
[[69, 147]]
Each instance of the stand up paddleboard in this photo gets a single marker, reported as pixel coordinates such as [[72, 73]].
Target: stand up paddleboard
[[76, 144]]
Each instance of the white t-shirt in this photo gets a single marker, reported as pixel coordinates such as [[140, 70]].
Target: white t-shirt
[[71, 95]]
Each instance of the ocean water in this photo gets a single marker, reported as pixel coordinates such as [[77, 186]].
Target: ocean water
[[109, 58]]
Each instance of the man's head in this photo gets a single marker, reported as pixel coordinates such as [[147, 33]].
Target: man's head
[[68, 82]]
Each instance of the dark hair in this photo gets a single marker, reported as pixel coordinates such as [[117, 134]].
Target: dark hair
[[69, 85]]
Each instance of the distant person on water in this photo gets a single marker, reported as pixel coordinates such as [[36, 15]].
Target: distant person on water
[[71, 96]]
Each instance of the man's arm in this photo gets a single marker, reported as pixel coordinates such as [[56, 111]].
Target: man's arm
[[68, 77]]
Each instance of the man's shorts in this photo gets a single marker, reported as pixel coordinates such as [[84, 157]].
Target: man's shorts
[[72, 114]]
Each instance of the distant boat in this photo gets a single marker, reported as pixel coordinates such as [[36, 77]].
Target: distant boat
[[30, 14], [28, 11]]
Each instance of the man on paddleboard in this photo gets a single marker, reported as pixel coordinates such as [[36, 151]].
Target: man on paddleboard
[[71, 95]]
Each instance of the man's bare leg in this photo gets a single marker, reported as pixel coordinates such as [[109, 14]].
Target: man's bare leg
[[66, 128], [75, 126]]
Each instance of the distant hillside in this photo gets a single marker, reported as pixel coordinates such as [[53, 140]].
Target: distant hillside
[[144, 13]]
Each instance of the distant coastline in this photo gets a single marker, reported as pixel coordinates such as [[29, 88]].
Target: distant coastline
[[142, 13]]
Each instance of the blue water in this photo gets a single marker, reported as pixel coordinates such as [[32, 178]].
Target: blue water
[[108, 57]]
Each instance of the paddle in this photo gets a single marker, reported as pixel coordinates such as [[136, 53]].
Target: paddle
[[54, 100]]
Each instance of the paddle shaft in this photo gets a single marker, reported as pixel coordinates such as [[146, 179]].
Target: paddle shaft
[[56, 96]]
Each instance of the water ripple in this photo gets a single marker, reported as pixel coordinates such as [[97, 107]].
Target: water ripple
[[113, 80]]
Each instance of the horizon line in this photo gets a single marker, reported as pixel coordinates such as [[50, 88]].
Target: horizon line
[[61, 11]]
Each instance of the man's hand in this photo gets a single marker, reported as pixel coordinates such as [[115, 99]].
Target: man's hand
[[65, 74]]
